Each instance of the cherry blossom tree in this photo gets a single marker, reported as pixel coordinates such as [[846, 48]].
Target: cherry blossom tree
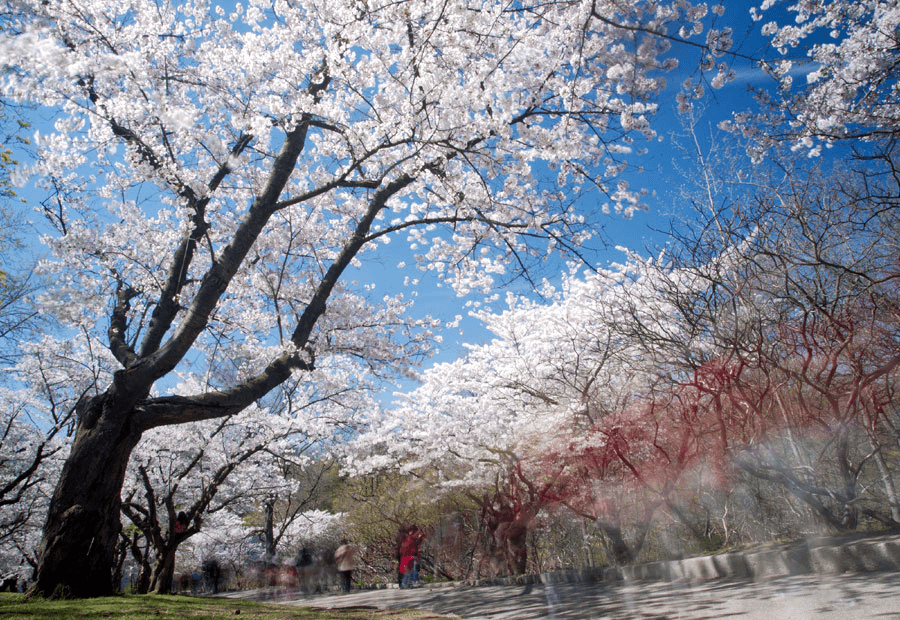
[[290, 510], [522, 423], [19, 316], [769, 322], [244, 463], [175, 488], [218, 173], [30, 458], [236, 544]]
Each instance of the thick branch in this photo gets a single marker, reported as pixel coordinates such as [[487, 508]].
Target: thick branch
[[167, 306], [118, 325], [178, 409], [219, 276]]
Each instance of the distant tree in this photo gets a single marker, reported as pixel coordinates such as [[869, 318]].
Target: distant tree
[[762, 341], [176, 488], [312, 480], [541, 418], [38, 399], [798, 303], [509, 510], [32, 428], [30, 458], [19, 316]]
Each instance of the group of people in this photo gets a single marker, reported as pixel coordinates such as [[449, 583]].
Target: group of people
[[409, 551], [312, 571]]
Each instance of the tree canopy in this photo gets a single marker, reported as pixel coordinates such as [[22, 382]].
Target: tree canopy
[[217, 171]]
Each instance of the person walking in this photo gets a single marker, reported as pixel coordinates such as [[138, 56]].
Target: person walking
[[345, 556], [304, 570], [410, 551]]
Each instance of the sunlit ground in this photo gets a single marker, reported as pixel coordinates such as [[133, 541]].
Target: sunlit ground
[[836, 597]]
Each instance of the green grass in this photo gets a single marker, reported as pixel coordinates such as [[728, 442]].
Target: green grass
[[134, 607]]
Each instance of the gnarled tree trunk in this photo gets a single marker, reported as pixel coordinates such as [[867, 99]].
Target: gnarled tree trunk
[[77, 552], [145, 573], [164, 571]]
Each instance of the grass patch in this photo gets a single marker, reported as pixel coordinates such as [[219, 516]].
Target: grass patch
[[134, 607]]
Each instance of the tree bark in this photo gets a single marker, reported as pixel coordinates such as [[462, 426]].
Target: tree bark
[[121, 556], [622, 555], [78, 549], [518, 551], [164, 571], [887, 479], [143, 560], [849, 511], [517, 547]]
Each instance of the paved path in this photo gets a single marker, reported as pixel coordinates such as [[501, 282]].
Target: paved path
[[873, 596]]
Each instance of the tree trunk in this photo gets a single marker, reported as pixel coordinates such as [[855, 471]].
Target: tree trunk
[[269, 533], [618, 548], [164, 571], [141, 558], [887, 479], [849, 515], [121, 556], [145, 573], [77, 551], [517, 547]]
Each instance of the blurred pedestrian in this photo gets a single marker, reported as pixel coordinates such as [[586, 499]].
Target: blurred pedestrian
[[345, 556], [410, 551], [304, 570]]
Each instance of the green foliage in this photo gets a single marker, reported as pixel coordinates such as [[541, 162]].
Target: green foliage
[[7, 161], [713, 543], [132, 607], [377, 506], [8, 239]]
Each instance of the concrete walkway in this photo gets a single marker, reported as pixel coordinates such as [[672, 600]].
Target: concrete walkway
[[829, 579], [846, 597]]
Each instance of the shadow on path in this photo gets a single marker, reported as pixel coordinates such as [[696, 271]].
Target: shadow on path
[[813, 597]]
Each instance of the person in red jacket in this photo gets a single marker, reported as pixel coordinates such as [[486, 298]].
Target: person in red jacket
[[410, 552]]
